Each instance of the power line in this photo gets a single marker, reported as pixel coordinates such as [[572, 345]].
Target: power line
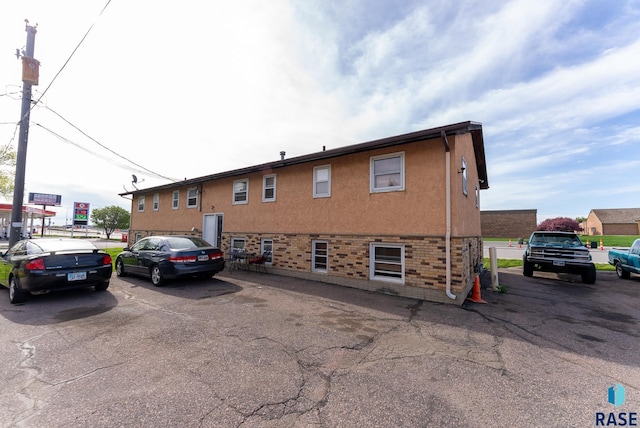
[[73, 52], [141, 169]]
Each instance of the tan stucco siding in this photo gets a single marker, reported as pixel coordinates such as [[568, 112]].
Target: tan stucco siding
[[165, 219], [352, 208], [465, 214]]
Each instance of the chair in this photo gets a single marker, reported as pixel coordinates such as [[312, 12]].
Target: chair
[[236, 258], [259, 262]]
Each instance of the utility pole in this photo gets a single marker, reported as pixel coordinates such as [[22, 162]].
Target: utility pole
[[30, 73]]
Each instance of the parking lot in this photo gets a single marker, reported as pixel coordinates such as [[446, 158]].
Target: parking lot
[[268, 351]]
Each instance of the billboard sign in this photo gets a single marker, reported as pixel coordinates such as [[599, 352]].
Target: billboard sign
[[45, 199]]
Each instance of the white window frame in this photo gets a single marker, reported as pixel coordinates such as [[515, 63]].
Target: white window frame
[[465, 182], [141, 203], [156, 201], [175, 200], [377, 274], [315, 256], [266, 244], [238, 244], [192, 200], [477, 195], [373, 175], [246, 191], [265, 187], [317, 194]]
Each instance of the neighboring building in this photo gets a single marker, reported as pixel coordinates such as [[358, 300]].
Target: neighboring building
[[615, 221], [513, 224], [398, 215]]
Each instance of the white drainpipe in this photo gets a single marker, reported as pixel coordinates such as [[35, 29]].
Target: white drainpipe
[[448, 221]]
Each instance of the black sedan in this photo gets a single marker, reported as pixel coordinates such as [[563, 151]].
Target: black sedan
[[35, 266], [168, 257]]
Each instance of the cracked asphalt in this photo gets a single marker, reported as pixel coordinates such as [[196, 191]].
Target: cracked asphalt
[[250, 350]]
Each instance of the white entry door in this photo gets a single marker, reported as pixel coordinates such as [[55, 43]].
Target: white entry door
[[212, 229]]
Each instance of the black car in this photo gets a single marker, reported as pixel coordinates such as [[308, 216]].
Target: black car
[[556, 251], [168, 257], [34, 266]]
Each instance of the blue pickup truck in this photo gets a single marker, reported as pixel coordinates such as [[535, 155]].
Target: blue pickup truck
[[626, 260]]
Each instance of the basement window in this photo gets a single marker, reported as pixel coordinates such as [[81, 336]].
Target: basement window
[[386, 262], [320, 256]]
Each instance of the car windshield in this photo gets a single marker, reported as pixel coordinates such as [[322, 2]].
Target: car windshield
[[556, 239], [48, 245], [186, 243]]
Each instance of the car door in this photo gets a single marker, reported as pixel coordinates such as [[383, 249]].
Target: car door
[[6, 262], [634, 257], [147, 256], [131, 258]]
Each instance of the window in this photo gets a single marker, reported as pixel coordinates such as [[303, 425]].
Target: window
[[319, 256], [269, 188], [322, 181], [241, 191], [175, 201], [266, 249], [238, 244], [141, 203], [156, 201], [192, 197], [387, 173], [387, 262], [477, 195], [463, 170]]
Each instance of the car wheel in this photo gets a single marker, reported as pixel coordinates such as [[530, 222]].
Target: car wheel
[[622, 274], [156, 276], [120, 268], [101, 286], [15, 294], [589, 275], [527, 268]]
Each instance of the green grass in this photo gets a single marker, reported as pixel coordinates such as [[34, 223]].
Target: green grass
[[509, 263], [113, 252], [607, 240]]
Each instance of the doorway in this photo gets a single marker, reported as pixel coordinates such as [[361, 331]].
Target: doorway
[[212, 229]]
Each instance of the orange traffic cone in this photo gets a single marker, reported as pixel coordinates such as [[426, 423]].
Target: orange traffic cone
[[475, 294]]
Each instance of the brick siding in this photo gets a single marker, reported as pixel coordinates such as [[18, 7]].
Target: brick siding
[[512, 224], [348, 262]]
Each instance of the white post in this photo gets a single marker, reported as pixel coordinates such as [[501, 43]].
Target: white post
[[494, 268]]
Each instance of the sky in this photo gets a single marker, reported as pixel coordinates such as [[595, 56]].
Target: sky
[[175, 90]]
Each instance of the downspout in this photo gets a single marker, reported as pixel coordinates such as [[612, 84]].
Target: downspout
[[447, 237]]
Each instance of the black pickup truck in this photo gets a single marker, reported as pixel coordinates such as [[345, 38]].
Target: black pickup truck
[[558, 252]]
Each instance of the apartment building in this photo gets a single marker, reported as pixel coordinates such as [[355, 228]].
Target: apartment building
[[399, 215]]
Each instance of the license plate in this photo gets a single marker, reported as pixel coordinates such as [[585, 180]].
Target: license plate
[[76, 276], [203, 258], [558, 262]]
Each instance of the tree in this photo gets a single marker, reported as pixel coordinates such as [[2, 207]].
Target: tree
[[581, 219], [560, 224], [7, 170], [110, 218]]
